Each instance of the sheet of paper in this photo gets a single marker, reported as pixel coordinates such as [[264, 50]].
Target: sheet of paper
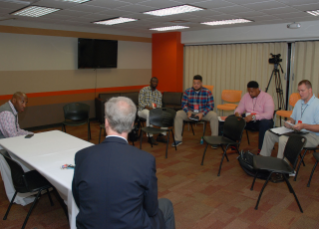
[[281, 130]]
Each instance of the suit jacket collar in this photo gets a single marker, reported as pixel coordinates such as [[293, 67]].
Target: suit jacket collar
[[114, 139]]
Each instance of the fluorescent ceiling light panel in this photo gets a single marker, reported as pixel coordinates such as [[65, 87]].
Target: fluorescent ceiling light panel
[[76, 1], [174, 10], [226, 22], [170, 28], [34, 11], [313, 13], [114, 21]]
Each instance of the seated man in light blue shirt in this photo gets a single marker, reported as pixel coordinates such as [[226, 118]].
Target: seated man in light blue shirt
[[305, 117]]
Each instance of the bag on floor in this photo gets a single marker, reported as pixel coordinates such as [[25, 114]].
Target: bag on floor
[[245, 160]]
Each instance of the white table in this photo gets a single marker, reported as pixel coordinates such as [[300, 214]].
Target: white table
[[46, 152]]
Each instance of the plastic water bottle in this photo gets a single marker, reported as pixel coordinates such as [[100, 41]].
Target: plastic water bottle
[[202, 141]]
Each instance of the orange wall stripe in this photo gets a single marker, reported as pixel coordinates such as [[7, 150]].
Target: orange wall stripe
[[72, 92]]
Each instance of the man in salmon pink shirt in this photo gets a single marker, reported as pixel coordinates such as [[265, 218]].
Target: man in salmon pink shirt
[[258, 109]]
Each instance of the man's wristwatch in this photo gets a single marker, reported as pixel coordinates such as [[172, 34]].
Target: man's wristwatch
[[254, 118]]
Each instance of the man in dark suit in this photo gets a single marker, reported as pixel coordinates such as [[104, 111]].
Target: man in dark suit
[[115, 184]]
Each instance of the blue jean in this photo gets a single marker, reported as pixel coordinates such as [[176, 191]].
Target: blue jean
[[166, 206]]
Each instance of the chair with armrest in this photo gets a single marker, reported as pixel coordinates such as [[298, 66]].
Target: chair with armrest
[[231, 97], [31, 181], [160, 117], [292, 151], [232, 133], [77, 114]]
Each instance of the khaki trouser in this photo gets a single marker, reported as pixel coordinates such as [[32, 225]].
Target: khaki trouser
[[181, 115], [270, 139]]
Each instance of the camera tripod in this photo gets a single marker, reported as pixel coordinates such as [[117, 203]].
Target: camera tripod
[[279, 91]]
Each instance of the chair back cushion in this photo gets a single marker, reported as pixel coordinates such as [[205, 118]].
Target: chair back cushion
[[76, 111], [234, 127], [16, 175], [294, 147], [231, 96], [163, 117], [132, 95], [293, 98], [172, 99]]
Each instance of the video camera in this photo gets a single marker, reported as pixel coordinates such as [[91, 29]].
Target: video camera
[[275, 59]]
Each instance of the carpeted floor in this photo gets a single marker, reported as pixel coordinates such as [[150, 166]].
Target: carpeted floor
[[201, 199]]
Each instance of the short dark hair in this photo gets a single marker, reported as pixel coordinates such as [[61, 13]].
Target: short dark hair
[[252, 84], [198, 77], [305, 82], [154, 78]]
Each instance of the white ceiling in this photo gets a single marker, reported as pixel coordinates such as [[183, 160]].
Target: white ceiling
[[260, 11]]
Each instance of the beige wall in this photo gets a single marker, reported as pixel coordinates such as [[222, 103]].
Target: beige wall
[[48, 64]]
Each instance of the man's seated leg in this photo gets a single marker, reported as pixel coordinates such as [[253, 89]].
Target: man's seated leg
[[263, 126], [178, 126], [212, 118], [268, 144], [166, 206], [146, 115]]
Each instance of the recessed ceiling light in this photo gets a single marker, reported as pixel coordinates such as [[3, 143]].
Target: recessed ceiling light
[[314, 12], [34, 11], [114, 21], [174, 10], [170, 28], [76, 1], [226, 22]]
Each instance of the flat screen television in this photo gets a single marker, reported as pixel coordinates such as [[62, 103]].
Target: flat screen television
[[93, 53]]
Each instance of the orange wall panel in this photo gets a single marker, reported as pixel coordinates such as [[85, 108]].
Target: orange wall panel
[[167, 61]]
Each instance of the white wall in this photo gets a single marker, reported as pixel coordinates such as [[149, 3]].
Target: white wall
[[259, 33], [33, 52]]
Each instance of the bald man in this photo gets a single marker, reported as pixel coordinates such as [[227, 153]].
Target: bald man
[[9, 125]]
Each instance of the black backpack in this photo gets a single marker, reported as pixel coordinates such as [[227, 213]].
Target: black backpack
[[245, 160], [136, 132]]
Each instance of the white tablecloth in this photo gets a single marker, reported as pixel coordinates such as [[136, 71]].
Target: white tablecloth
[[46, 152]]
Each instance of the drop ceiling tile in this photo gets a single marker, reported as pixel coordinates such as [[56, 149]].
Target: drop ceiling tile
[[55, 4], [191, 2], [292, 15], [307, 7], [233, 9], [71, 13], [107, 4], [133, 1], [264, 18], [213, 4], [6, 10], [222, 17], [56, 17], [98, 16], [297, 2], [14, 6], [204, 13], [239, 2], [136, 8], [265, 5], [249, 14], [281, 10], [159, 4], [88, 9]]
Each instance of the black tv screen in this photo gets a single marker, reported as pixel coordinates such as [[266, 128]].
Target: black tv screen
[[94, 53]]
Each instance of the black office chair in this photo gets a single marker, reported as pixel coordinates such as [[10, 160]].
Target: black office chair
[[160, 117], [76, 114], [302, 157], [292, 150], [232, 133], [31, 181], [316, 156]]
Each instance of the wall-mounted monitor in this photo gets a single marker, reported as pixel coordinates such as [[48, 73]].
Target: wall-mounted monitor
[[93, 53]]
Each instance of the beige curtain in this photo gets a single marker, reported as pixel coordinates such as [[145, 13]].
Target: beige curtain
[[306, 65], [233, 66]]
